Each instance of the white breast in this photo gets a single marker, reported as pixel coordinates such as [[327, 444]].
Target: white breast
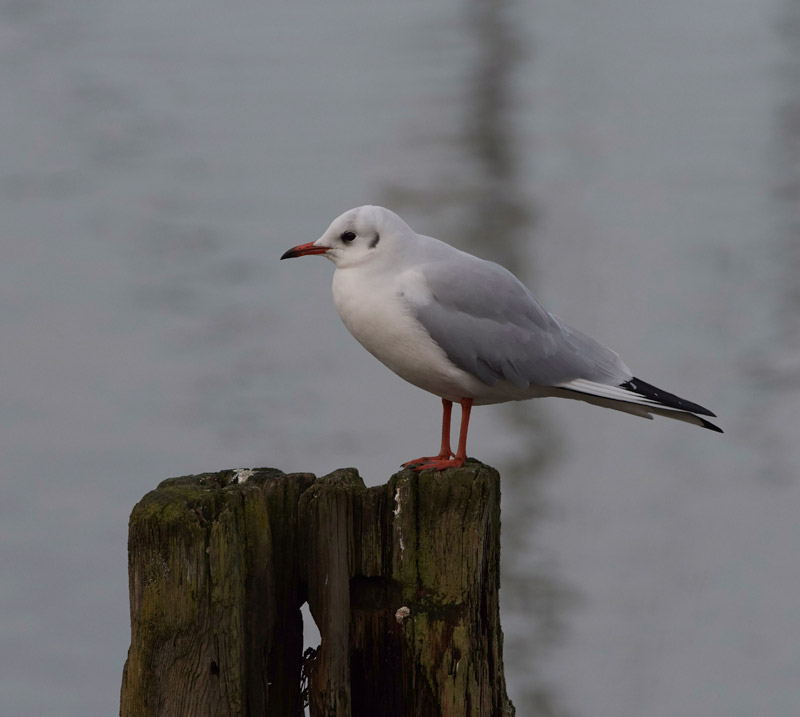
[[377, 313]]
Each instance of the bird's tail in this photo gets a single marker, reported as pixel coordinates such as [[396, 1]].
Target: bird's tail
[[638, 398]]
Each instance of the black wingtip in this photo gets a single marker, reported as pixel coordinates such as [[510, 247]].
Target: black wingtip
[[666, 399], [710, 426]]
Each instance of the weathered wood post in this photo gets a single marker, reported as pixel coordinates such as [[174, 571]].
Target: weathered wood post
[[402, 581]]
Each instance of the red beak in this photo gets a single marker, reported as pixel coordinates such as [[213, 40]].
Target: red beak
[[303, 250]]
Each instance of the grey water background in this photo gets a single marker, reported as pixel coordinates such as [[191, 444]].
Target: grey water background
[[636, 163]]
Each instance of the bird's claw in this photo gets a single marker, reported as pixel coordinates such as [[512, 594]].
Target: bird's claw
[[428, 459], [434, 463]]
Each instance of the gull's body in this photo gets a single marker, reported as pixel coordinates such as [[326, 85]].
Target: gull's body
[[466, 329], [388, 325]]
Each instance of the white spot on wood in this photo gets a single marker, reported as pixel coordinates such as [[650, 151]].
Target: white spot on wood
[[401, 614], [240, 475], [396, 513]]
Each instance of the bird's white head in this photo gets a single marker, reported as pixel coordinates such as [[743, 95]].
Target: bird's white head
[[358, 236]]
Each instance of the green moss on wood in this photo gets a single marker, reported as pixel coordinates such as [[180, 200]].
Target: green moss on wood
[[219, 569]]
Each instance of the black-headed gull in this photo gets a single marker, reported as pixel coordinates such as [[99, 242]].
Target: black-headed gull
[[467, 329]]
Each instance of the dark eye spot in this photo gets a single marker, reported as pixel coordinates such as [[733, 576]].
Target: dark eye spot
[[348, 236]]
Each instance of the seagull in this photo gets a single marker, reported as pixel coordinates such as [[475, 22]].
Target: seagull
[[467, 330]]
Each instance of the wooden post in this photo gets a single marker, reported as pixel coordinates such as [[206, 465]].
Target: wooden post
[[402, 581]]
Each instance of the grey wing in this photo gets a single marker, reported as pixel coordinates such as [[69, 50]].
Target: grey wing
[[490, 325]]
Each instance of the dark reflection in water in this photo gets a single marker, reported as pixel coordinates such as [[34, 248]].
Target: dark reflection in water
[[788, 190], [480, 201], [774, 366]]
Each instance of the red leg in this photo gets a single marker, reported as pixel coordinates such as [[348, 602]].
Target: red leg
[[444, 451], [461, 452], [442, 461]]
